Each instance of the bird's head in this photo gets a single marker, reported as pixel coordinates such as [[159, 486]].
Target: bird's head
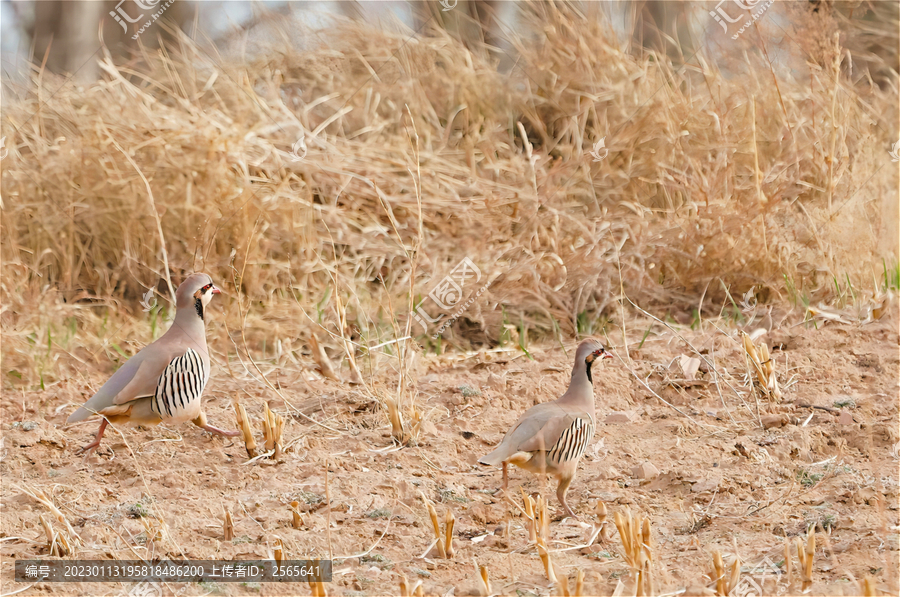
[[591, 350], [197, 290]]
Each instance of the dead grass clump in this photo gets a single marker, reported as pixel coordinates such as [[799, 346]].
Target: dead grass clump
[[63, 541], [763, 366]]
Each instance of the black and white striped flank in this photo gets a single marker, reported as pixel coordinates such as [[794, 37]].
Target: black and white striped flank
[[179, 385], [572, 443]]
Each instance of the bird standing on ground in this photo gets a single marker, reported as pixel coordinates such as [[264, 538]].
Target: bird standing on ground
[[164, 381], [552, 437]]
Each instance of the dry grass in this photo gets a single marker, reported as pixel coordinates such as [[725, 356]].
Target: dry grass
[[417, 152]]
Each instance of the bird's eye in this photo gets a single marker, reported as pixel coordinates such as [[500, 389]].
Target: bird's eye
[[207, 287]]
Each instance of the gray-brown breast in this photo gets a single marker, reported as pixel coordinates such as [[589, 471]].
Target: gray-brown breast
[[572, 442]]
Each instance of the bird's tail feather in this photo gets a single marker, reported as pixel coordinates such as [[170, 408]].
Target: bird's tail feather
[[495, 458]]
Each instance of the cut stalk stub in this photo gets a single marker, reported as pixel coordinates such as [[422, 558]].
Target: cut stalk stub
[[228, 526], [296, 519], [443, 541], [246, 431]]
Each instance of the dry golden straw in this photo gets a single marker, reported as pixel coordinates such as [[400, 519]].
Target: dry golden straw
[[57, 544]]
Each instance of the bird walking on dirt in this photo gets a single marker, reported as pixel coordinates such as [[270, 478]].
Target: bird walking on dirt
[[553, 436], [164, 381]]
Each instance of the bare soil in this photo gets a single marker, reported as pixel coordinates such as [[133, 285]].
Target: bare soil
[[723, 483]]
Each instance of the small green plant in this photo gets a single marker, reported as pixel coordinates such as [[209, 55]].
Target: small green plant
[[448, 495], [808, 478], [137, 510], [845, 403], [644, 337], [379, 513], [584, 324], [378, 559], [891, 279], [469, 391], [310, 497], [209, 587]]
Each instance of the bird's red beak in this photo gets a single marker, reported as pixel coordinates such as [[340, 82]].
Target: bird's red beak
[[605, 355], [216, 290]]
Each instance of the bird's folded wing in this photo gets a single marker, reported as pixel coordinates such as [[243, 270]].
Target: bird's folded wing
[[137, 378], [545, 439]]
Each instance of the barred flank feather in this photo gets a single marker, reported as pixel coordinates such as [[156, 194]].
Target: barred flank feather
[[572, 442], [179, 385]]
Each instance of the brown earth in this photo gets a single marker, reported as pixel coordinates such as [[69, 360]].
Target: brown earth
[[718, 481]]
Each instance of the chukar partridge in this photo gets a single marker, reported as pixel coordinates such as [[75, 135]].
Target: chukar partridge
[[552, 437], [164, 381]]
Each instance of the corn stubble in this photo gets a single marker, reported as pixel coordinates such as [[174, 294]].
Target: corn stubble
[[443, 540], [634, 532]]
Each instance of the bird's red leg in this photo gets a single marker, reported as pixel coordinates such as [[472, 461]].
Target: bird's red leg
[[212, 429], [202, 423], [505, 476], [96, 443]]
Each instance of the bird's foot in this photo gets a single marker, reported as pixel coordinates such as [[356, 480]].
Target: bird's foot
[[218, 431], [86, 450]]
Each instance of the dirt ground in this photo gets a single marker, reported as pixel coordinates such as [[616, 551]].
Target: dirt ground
[[713, 479]]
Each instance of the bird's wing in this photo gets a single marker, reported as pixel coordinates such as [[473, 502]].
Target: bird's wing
[[527, 427], [135, 379], [548, 435]]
